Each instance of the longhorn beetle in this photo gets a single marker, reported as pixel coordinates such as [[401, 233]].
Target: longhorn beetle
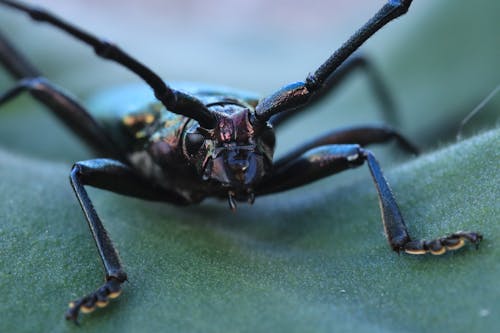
[[196, 141]]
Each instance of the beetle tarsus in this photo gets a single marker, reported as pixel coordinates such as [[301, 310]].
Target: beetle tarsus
[[100, 298], [442, 245]]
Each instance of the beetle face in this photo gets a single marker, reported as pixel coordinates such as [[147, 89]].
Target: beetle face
[[235, 166], [235, 155]]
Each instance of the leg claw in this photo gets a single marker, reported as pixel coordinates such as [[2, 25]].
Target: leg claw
[[439, 246]]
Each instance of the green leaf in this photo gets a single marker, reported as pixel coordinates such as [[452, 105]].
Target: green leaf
[[313, 259]]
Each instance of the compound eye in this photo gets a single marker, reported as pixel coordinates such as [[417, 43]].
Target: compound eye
[[194, 141]]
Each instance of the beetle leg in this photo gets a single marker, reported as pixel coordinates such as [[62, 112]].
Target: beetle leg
[[326, 160], [69, 111], [14, 62], [64, 106], [299, 94], [117, 177], [362, 135], [309, 166], [395, 227], [355, 62]]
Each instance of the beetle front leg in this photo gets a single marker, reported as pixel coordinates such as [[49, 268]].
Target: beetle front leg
[[326, 160], [115, 275], [117, 177]]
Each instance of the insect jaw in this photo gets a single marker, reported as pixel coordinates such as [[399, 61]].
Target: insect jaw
[[235, 167], [231, 201], [232, 197]]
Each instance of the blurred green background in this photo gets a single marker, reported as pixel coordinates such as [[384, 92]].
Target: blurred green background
[[313, 259]]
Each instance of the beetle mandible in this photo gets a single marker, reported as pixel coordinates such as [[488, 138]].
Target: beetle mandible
[[198, 141]]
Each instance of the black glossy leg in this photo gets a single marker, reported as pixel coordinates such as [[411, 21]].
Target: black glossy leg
[[17, 65], [64, 106], [361, 135], [299, 93], [69, 111], [350, 66], [173, 100], [309, 166], [326, 160], [394, 225], [117, 177]]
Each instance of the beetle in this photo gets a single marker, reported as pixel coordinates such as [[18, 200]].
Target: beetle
[[191, 142]]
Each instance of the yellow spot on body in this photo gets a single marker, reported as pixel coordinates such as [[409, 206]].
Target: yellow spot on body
[[416, 251], [460, 243], [438, 252], [102, 304], [115, 294], [128, 120], [71, 305], [132, 120], [85, 309]]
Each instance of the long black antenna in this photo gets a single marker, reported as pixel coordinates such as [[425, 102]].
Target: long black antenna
[[297, 94], [175, 101]]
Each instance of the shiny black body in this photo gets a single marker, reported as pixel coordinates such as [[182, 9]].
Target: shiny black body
[[176, 153], [195, 142]]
